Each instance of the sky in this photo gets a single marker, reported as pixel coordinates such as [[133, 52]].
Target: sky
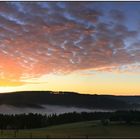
[[86, 47]]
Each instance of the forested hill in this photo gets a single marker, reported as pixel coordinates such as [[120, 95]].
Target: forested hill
[[36, 99]]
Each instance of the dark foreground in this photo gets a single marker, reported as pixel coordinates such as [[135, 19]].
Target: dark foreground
[[87, 129], [119, 124]]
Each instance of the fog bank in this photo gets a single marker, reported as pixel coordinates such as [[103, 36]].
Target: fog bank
[[48, 109]]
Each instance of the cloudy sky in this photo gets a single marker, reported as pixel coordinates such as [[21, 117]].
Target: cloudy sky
[[87, 47]]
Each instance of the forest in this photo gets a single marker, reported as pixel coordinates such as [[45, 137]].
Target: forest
[[29, 121]]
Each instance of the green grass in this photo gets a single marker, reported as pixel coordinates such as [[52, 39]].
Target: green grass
[[89, 129]]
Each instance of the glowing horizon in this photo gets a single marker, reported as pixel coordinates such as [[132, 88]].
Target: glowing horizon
[[85, 47], [89, 84]]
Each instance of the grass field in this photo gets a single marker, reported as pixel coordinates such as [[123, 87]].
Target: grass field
[[89, 129]]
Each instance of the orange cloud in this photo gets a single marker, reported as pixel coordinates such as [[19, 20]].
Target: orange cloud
[[42, 38]]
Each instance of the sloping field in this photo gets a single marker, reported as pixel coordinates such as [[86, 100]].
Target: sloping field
[[89, 129]]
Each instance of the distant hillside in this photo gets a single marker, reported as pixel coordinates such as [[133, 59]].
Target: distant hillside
[[36, 99]]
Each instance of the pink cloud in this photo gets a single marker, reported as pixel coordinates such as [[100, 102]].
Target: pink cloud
[[37, 40]]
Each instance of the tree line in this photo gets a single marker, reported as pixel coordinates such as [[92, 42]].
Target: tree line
[[28, 121]]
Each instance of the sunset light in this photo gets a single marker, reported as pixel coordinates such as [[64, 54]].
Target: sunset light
[[86, 47]]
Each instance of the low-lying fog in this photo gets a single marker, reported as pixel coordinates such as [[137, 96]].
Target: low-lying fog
[[48, 109]]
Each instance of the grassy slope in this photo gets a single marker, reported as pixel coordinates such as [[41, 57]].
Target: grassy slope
[[90, 129]]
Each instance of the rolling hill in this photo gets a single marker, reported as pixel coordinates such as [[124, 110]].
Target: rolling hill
[[36, 99]]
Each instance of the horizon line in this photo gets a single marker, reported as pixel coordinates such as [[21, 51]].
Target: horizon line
[[59, 92]]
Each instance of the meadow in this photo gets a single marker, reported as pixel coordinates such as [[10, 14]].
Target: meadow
[[87, 129]]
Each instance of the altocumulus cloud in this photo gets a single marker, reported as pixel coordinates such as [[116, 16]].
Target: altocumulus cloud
[[39, 38]]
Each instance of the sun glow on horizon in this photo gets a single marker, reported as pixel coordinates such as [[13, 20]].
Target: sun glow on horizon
[[99, 83]]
